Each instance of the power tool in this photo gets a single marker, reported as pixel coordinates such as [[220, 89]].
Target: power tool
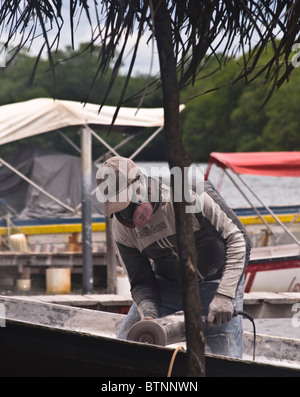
[[170, 329]]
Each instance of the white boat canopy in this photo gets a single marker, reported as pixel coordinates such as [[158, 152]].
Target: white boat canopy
[[25, 119]]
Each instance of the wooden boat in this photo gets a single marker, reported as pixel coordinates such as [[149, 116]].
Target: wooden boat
[[274, 231], [41, 339], [56, 235], [64, 234], [274, 269]]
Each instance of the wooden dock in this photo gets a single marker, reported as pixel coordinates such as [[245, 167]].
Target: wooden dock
[[257, 304], [22, 265], [45, 259], [104, 302], [271, 304]]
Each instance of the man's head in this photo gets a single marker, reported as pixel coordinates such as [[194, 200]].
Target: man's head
[[122, 189]]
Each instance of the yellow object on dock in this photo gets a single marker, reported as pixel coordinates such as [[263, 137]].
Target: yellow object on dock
[[19, 242]]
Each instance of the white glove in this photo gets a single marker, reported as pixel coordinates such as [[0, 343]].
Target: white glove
[[220, 310]]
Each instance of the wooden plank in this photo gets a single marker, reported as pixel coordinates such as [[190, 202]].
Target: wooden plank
[[294, 297], [110, 299], [80, 300], [270, 305], [61, 316], [271, 297]]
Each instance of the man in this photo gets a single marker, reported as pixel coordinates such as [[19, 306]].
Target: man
[[145, 234]]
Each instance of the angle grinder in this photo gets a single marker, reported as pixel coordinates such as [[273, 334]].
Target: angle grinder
[[171, 329], [161, 331]]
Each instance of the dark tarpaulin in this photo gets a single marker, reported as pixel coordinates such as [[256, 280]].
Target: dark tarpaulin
[[57, 173]]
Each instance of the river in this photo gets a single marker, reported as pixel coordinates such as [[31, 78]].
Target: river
[[275, 191]]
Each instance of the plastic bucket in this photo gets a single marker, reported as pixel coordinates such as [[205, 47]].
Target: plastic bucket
[[23, 284], [123, 286], [58, 281]]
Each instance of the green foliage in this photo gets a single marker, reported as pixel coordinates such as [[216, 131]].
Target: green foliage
[[206, 120], [233, 118], [281, 132]]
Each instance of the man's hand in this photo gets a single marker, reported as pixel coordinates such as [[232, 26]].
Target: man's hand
[[220, 310], [148, 318]]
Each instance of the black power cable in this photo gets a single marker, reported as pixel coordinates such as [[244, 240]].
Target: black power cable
[[244, 314]]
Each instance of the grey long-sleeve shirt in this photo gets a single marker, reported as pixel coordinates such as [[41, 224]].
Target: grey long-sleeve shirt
[[222, 244]]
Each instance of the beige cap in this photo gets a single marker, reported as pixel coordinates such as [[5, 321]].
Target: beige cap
[[114, 180]]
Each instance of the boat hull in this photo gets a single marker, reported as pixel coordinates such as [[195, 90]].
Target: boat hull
[[47, 340], [29, 351], [274, 269]]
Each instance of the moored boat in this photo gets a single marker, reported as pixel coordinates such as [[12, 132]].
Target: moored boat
[[274, 231], [42, 339]]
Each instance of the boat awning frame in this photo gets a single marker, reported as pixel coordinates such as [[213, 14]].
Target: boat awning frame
[[258, 163], [280, 164]]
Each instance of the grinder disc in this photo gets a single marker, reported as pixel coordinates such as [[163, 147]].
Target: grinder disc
[[147, 331]]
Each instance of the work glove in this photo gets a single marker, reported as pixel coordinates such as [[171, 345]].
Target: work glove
[[220, 310]]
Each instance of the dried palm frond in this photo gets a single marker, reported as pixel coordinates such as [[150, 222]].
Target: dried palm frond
[[200, 30]]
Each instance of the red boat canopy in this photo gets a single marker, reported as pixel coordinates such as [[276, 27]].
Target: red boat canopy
[[258, 163]]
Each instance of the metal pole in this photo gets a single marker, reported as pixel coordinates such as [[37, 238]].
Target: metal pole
[[146, 143], [120, 144], [270, 211], [69, 141], [290, 224], [247, 199], [102, 141], [86, 169]]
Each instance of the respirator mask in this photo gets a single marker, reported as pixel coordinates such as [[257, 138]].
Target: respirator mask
[[140, 210]]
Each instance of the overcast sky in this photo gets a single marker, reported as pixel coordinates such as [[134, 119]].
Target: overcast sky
[[82, 35], [144, 56]]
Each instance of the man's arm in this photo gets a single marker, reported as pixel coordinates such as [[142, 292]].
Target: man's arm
[[142, 279]]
